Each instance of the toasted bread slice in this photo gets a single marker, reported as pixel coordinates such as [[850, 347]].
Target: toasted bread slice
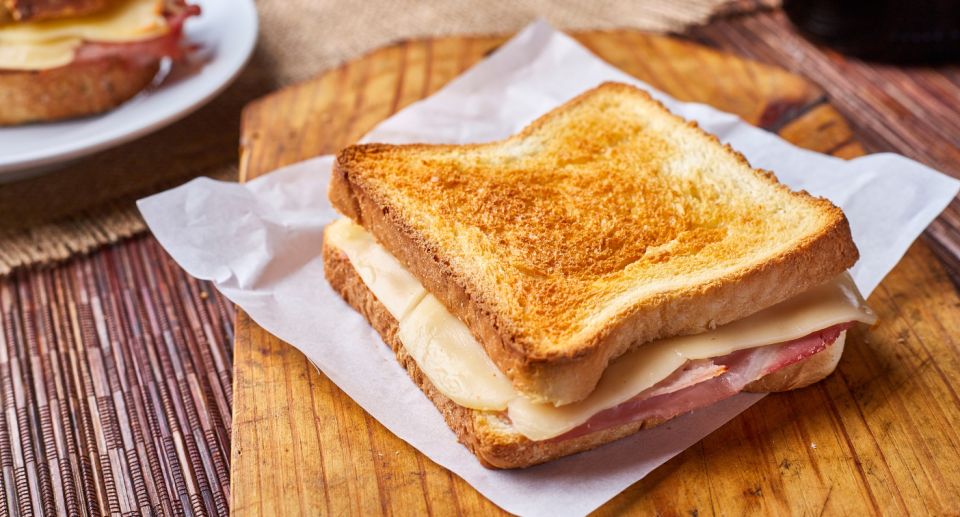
[[605, 224], [35, 10], [76, 90], [489, 434]]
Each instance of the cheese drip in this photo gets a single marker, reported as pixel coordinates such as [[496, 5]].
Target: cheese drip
[[440, 344], [53, 43], [457, 365]]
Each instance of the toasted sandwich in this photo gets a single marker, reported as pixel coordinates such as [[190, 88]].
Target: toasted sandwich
[[605, 270], [71, 58]]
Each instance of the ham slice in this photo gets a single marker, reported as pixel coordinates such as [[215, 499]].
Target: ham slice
[[694, 372], [800, 349], [140, 53], [699, 384]]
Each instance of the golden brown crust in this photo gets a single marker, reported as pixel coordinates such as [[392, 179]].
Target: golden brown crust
[[34, 10], [489, 434], [76, 90], [670, 208]]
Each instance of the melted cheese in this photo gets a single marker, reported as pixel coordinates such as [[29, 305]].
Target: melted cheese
[[455, 362], [452, 359], [52, 43], [394, 286], [29, 56], [837, 301], [441, 345]]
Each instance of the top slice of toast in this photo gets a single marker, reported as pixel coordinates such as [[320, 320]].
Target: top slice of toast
[[607, 223], [35, 10]]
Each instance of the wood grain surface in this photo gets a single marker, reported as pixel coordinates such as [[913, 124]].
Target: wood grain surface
[[879, 436]]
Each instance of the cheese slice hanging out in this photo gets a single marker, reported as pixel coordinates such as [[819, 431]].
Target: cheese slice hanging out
[[441, 345], [457, 365], [52, 43]]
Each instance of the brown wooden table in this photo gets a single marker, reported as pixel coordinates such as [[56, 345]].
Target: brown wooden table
[[878, 436]]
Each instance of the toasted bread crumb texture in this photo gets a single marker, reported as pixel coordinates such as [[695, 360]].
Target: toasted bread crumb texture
[[76, 90], [33, 10], [489, 434], [604, 206]]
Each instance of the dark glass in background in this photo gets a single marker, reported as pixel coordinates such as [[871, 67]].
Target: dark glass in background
[[902, 31]]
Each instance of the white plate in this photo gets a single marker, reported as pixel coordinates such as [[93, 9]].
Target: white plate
[[226, 32]]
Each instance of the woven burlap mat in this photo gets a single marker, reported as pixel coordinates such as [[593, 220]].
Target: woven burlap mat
[[91, 203]]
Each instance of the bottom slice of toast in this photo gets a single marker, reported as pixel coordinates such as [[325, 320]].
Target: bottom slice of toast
[[489, 434], [76, 90]]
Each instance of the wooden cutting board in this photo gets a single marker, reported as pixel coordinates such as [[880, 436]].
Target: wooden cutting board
[[878, 436]]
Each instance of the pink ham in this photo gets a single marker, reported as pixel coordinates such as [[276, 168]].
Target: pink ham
[[693, 387], [143, 52], [694, 372], [800, 349]]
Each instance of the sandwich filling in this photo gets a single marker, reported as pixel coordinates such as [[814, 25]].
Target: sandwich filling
[[137, 30], [661, 379], [685, 391]]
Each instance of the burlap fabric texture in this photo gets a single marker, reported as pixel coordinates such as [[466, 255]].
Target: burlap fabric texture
[[91, 203]]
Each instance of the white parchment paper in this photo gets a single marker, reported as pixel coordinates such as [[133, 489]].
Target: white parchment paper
[[260, 243]]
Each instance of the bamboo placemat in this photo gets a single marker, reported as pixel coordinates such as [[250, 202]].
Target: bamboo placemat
[[116, 373]]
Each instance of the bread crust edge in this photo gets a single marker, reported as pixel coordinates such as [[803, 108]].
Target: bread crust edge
[[75, 90], [35, 10]]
